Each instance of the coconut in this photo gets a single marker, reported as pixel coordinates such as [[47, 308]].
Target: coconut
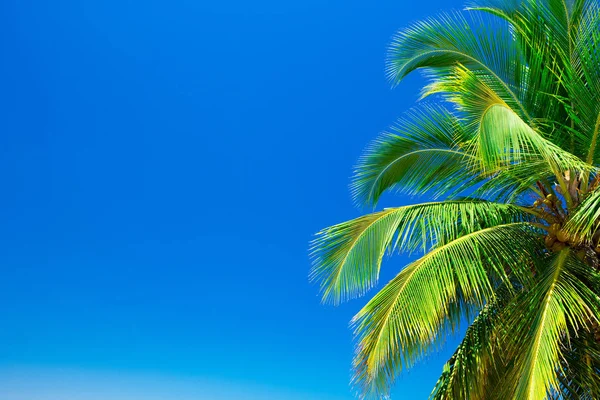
[[562, 236]]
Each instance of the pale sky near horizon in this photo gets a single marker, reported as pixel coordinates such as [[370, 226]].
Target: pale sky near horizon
[[27, 383]]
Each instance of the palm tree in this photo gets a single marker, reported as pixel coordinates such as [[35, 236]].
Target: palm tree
[[507, 145]]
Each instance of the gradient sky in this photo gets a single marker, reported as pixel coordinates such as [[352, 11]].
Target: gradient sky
[[164, 165]]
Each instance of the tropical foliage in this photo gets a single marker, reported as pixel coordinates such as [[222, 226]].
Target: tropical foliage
[[506, 142]]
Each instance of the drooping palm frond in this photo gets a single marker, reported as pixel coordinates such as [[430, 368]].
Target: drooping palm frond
[[583, 82], [545, 52], [579, 374], [556, 51], [539, 322], [393, 330], [502, 138], [438, 43], [584, 222], [554, 18], [430, 151], [424, 152], [470, 371], [347, 257], [510, 184]]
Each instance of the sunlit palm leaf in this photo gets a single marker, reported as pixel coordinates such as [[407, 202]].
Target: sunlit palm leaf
[[438, 43], [585, 220], [347, 257], [539, 322], [393, 330], [502, 137], [470, 370], [423, 152]]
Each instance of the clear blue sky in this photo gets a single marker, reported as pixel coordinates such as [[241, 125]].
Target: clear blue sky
[[164, 165]]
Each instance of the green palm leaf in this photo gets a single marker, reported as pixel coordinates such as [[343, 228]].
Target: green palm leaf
[[541, 319], [347, 257], [502, 137], [393, 330], [585, 220], [580, 363], [450, 39], [470, 371], [424, 152]]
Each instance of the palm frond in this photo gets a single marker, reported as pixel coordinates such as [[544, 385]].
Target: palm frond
[[583, 82], [503, 138], [542, 31], [470, 371], [584, 222], [424, 152], [579, 375], [539, 321], [515, 183], [347, 257], [439, 43], [531, 18], [393, 330]]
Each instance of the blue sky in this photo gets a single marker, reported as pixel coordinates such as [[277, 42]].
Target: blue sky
[[164, 165]]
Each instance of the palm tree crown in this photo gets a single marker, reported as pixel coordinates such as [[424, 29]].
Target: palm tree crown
[[508, 143]]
